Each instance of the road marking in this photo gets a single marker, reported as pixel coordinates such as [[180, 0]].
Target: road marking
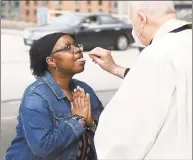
[[8, 118]]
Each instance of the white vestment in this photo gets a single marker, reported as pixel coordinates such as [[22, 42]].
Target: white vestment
[[150, 116]]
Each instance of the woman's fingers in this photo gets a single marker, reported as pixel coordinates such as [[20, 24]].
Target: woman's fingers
[[82, 97], [78, 96], [75, 98], [88, 100], [81, 104], [78, 93], [89, 117], [72, 108]]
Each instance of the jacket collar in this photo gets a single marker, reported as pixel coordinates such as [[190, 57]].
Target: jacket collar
[[167, 27], [50, 81]]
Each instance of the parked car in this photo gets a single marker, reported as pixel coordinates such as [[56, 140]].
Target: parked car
[[91, 29]]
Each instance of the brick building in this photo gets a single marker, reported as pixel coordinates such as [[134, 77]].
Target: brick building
[[28, 9], [10, 10]]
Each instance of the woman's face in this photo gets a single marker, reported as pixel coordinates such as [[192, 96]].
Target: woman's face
[[66, 58]]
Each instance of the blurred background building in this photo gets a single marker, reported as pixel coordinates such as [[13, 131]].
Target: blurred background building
[[183, 8], [27, 10], [10, 10]]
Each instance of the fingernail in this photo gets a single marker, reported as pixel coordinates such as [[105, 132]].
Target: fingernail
[[74, 90], [78, 87]]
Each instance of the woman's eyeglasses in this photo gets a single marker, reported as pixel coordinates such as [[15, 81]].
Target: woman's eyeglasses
[[69, 48]]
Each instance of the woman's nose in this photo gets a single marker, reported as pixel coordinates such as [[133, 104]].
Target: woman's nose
[[77, 50]]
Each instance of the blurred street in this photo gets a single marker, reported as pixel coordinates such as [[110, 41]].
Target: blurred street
[[16, 76]]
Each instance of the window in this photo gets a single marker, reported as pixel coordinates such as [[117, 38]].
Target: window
[[115, 4], [35, 12], [57, 14], [16, 3], [27, 12], [45, 3], [93, 20], [67, 19], [100, 2], [35, 3], [77, 2], [58, 2], [89, 2], [2, 3], [107, 20], [77, 10], [27, 3]]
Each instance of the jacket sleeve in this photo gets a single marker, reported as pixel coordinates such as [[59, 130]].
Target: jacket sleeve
[[131, 122], [42, 137], [126, 71]]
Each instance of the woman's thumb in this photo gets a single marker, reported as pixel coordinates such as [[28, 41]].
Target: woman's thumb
[[72, 105]]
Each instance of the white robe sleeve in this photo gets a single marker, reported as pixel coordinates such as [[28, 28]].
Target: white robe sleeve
[[131, 121]]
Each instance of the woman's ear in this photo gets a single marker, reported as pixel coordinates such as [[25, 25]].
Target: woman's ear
[[142, 17], [51, 62]]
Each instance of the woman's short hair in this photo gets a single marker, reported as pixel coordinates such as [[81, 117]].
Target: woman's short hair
[[40, 50]]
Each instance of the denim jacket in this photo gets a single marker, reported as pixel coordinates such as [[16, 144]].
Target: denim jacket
[[46, 130]]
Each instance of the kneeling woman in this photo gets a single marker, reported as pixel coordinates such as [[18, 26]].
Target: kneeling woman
[[58, 115]]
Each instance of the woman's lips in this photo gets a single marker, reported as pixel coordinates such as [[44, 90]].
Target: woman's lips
[[81, 61]]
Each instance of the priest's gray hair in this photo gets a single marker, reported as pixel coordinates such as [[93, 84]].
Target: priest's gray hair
[[156, 8]]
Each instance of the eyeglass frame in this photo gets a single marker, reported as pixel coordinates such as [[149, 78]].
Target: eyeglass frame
[[79, 46]]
